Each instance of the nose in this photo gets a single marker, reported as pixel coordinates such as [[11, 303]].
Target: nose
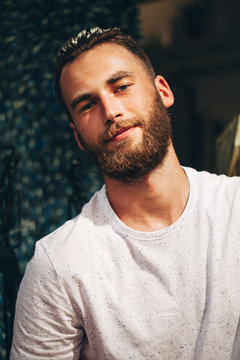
[[112, 108]]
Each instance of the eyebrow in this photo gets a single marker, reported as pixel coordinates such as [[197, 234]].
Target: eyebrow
[[118, 76], [114, 78], [79, 99]]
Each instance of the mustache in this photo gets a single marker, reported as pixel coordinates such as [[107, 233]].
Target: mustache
[[118, 126]]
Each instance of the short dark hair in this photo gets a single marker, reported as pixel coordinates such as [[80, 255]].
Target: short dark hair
[[86, 40]]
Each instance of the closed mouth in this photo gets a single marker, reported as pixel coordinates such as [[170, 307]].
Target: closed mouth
[[121, 131], [118, 134], [112, 135]]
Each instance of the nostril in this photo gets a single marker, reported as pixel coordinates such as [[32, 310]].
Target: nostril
[[111, 118], [108, 122]]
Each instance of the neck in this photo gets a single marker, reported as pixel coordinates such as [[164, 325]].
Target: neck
[[153, 202]]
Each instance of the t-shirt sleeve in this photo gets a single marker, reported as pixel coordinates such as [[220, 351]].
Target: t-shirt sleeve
[[45, 326]]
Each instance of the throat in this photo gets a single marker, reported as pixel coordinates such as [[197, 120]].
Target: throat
[[153, 204]]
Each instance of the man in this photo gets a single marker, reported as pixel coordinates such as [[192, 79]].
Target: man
[[150, 268]]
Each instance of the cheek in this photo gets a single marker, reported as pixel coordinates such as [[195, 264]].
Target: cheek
[[87, 129], [141, 101]]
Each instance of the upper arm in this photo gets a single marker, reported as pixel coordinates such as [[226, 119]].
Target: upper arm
[[45, 326]]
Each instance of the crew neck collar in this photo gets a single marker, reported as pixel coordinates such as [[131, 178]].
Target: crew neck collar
[[121, 228]]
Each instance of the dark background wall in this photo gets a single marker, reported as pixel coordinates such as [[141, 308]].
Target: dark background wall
[[195, 44]]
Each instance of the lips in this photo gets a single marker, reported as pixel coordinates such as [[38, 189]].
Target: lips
[[121, 131]]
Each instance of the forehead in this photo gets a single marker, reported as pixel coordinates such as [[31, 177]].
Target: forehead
[[99, 62]]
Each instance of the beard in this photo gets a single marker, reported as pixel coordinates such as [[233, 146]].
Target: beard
[[127, 164]]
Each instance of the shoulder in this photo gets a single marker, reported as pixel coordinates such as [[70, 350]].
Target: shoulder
[[78, 227], [77, 238], [216, 192], [207, 180]]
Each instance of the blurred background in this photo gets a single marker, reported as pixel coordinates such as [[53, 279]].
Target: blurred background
[[44, 178]]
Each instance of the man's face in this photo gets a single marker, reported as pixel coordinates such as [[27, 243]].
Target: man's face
[[117, 110]]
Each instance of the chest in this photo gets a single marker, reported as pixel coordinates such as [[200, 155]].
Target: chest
[[153, 296]]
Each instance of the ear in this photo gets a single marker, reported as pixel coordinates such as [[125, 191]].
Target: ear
[[164, 91], [75, 133]]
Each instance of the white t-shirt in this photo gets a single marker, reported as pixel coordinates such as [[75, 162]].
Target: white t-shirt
[[99, 288]]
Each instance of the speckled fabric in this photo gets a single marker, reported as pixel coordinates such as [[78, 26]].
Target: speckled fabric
[[96, 289]]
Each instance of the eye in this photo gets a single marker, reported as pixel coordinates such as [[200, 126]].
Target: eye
[[87, 106], [122, 88]]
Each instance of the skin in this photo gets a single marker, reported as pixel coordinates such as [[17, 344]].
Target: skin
[[108, 84]]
